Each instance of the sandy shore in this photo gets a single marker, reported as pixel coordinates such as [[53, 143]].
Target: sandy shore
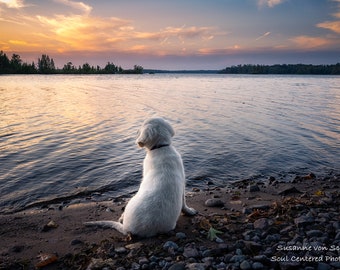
[[244, 213]]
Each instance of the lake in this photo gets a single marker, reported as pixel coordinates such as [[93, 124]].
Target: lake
[[65, 137]]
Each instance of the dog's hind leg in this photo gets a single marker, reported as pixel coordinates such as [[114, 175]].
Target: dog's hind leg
[[107, 224], [186, 209]]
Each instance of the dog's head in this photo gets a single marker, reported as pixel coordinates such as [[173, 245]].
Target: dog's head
[[155, 132]]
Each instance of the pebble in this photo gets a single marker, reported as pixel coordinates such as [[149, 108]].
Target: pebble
[[181, 235], [254, 188], [303, 221], [245, 265], [261, 224], [214, 202], [170, 246], [190, 252], [257, 266], [177, 266]]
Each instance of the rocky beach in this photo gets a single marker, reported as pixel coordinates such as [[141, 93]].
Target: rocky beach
[[243, 225]]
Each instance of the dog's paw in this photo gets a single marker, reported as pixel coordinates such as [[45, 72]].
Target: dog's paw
[[189, 211]]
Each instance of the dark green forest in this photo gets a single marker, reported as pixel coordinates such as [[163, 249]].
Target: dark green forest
[[45, 65], [284, 69]]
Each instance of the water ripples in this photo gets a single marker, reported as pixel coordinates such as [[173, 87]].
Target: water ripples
[[67, 136]]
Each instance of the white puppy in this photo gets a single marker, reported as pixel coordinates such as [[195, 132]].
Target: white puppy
[[161, 196]]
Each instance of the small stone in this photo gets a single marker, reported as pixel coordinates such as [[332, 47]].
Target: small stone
[[170, 246], [135, 266], [215, 252], [252, 247], [314, 233], [177, 266], [303, 221], [337, 237], [190, 252], [245, 265], [261, 258], [143, 260], [136, 245], [76, 242], [261, 224], [254, 188], [181, 235], [195, 266], [257, 266], [289, 190], [214, 203], [237, 258], [323, 266], [120, 250]]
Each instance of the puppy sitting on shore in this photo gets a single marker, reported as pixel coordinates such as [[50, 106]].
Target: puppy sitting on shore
[[161, 195]]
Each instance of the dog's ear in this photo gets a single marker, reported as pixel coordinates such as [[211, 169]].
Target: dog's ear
[[144, 136]]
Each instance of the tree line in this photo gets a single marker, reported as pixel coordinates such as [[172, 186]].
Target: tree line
[[284, 69], [46, 65]]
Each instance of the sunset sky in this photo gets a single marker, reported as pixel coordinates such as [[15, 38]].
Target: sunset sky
[[174, 34]]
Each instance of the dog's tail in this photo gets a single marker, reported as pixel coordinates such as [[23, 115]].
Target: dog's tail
[[107, 224]]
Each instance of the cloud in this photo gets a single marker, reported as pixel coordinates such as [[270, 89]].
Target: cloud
[[264, 35], [330, 25], [13, 3], [308, 42], [86, 9], [269, 3]]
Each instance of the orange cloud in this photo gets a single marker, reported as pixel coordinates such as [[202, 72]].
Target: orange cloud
[[308, 42], [333, 26], [79, 30], [13, 3]]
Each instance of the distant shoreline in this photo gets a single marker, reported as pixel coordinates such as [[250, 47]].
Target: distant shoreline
[[45, 65]]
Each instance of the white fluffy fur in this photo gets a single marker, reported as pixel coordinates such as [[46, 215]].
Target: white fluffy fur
[[161, 196]]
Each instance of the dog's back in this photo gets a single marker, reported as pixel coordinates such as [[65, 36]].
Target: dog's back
[[158, 203]]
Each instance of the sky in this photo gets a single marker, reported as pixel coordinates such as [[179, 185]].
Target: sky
[[174, 34]]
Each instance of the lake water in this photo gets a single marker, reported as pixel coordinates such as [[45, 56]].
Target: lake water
[[65, 137]]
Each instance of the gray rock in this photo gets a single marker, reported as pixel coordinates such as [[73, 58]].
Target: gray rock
[[245, 265], [303, 221], [177, 266], [252, 247], [190, 252], [257, 266], [214, 203], [261, 224], [314, 233], [143, 260], [181, 235], [169, 245], [215, 252], [323, 266], [237, 258], [195, 266], [289, 190], [120, 250], [254, 188], [76, 242], [337, 237], [261, 258]]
